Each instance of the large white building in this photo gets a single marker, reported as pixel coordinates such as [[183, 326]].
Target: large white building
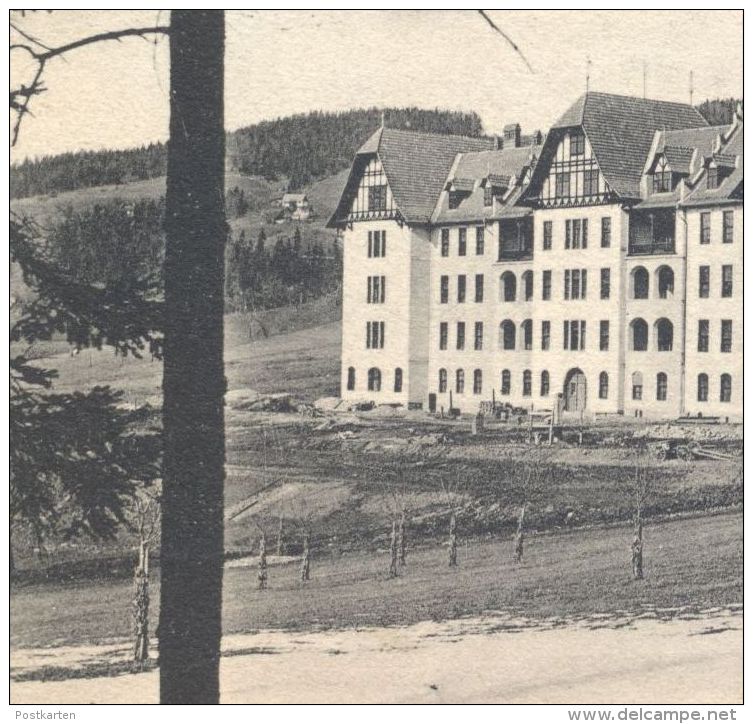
[[599, 271]]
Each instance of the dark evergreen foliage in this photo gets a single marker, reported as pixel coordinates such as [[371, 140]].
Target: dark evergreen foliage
[[719, 111], [302, 148]]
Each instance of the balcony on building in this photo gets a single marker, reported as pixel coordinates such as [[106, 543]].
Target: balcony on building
[[516, 239], [652, 232]]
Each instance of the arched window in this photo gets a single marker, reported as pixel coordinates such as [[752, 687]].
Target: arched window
[[460, 382], [528, 285], [637, 386], [665, 282], [505, 385], [603, 386], [527, 383], [351, 378], [640, 283], [639, 335], [398, 379], [725, 388], [664, 335], [527, 326], [703, 387], [477, 379], [375, 380], [507, 335], [661, 387], [544, 383], [507, 287], [443, 380]]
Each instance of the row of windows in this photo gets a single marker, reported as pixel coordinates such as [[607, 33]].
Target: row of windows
[[444, 245], [728, 227], [460, 381], [574, 285], [725, 387], [665, 282], [573, 335], [374, 379], [725, 343]]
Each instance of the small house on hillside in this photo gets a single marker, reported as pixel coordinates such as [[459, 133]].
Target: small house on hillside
[[296, 207]]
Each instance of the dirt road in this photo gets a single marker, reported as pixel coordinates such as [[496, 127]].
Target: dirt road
[[692, 658]]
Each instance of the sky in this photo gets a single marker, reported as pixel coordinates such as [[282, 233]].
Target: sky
[[114, 95]]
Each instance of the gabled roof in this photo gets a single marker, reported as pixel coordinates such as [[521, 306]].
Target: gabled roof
[[294, 198], [416, 166], [679, 158], [621, 131], [506, 164]]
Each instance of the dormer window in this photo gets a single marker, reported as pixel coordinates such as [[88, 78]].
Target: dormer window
[[577, 144], [662, 177], [488, 195], [454, 199], [378, 197], [712, 178]]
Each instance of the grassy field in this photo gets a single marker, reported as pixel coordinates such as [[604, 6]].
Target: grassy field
[[693, 563]]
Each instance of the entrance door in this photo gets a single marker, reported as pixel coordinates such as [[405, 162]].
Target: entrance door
[[575, 391], [432, 402]]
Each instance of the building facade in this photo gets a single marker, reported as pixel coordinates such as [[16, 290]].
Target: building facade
[[598, 270]]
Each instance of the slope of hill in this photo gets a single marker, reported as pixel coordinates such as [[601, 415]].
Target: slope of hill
[[298, 148]]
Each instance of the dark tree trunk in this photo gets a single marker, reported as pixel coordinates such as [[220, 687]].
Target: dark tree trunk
[[194, 382]]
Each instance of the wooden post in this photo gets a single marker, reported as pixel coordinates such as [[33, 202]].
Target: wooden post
[[551, 427], [530, 425]]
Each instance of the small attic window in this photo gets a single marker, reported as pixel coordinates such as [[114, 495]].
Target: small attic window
[[454, 198], [662, 177], [577, 144], [378, 197], [714, 177]]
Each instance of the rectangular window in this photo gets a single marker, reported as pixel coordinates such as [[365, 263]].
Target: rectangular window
[[577, 144], [712, 178], [546, 334], [377, 243], [479, 288], [461, 288], [705, 227], [604, 335], [477, 382], [460, 339], [661, 387], [478, 336], [562, 185], [703, 335], [375, 290], [575, 283], [704, 281], [479, 241], [590, 183], [727, 280], [606, 232], [445, 243], [488, 194], [374, 335], [605, 283], [576, 233], [462, 241], [547, 236], [443, 335], [444, 289], [637, 392], [703, 387], [574, 334], [728, 226], [726, 345], [546, 284], [378, 198]]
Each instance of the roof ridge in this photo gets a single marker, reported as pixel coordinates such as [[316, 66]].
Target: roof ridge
[[432, 134]]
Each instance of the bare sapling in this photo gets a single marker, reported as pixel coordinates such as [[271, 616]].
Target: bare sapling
[[639, 492], [536, 474], [305, 559], [393, 550], [453, 542], [262, 576], [402, 540], [518, 541], [281, 538], [146, 505]]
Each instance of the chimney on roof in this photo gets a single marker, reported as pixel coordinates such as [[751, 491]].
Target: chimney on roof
[[512, 135]]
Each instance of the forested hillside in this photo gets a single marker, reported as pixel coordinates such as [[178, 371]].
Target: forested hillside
[[719, 111], [300, 148]]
